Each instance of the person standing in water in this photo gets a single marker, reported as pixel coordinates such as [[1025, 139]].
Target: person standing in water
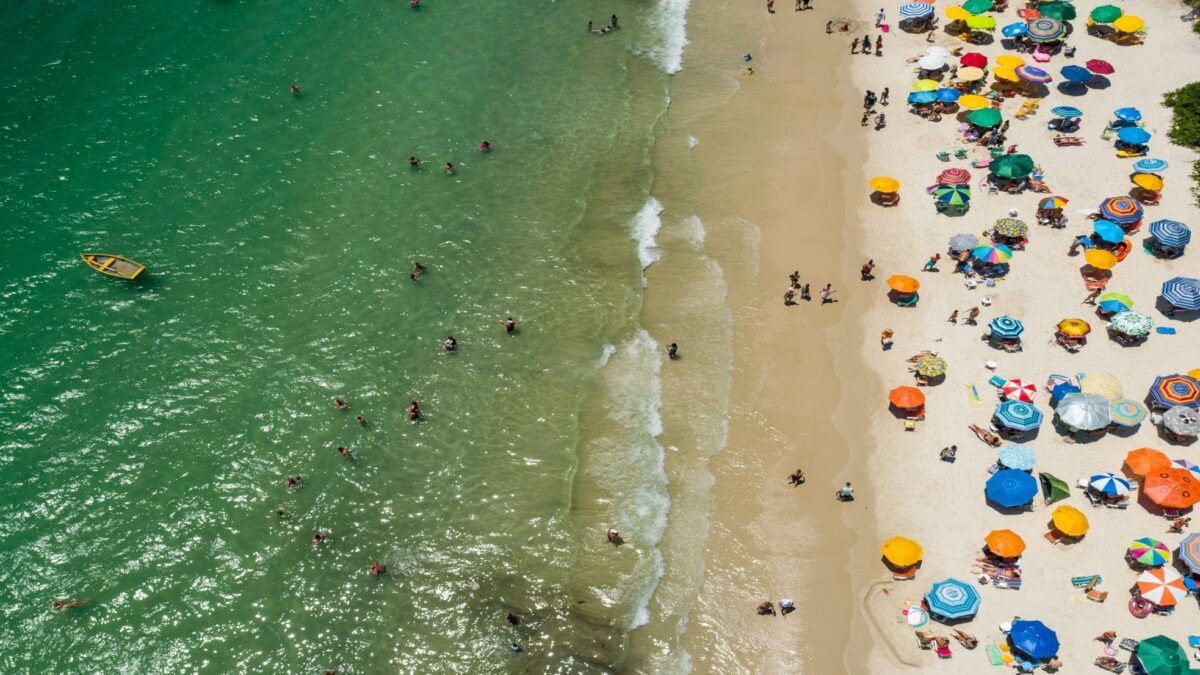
[[295, 89], [614, 20], [415, 272], [449, 344], [673, 351], [414, 162], [449, 168], [414, 411], [510, 326]]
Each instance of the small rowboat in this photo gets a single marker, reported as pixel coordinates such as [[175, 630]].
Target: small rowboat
[[113, 265]]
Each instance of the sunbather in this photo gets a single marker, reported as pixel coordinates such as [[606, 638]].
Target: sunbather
[[965, 639], [924, 638], [1106, 637], [1178, 525], [986, 436]]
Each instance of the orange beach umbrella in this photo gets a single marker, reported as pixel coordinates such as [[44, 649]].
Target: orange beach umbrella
[[1144, 461], [902, 552], [1005, 543], [903, 284], [906, 397], [1172, 488]]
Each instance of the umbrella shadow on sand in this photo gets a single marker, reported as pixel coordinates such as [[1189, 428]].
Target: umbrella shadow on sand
[[1174, 439], [1009, 510], [1072, 89], [1168, 310], [1075, 436], [1099, 82]]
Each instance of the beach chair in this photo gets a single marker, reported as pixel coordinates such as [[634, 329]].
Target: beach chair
[[960, 153], [1055, 537], [943, 652], [905, 574], [1129, 644], [1110, 664], [1097, 595], [944, 155], [1086, 581], [1194, 641], [996, 381], [1107, 134], [1012, 584]]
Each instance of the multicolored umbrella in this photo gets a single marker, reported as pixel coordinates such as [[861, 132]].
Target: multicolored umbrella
[[1182, 292], [1005, 543], [1066, 111], [1160, 655], [953, 195], [963, 242], [1074, 327], [930, 365], [1121, 210], [1182, 420], [1070, 521], [1106, 13], [1011, 488], [1163, 586], [1006, 327], [1045, 29], [915, 10], [1012, 166], [973, 60], [1172, 488], [1018, 416], [1011, 227], [1063, 11], [902, 552], [1109, 231], [1032, 74], [1102, 384], [1051, 203], [1171, 233], [1033, 639], [1109, 484], [955, 176], [1172, 390], [1128, 413], [998, 253], [1128, 114], [1100, 67], [952, 599], [1084, 412], [1133, 135], [1144, 461], [984, 117], [1017, 457], [1150, 165], [1115, 303], [1149, 552], [1189, 552], [1133, 324], [1018, 390], [1186, 464]]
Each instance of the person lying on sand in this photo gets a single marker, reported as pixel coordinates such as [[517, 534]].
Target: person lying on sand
[[925, 638], [986, 436], [967, 640]]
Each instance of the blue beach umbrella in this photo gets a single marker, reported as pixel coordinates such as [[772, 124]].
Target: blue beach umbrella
[[947, 94], [1011, 488], [1113, 306], [1109, 231], [1135, 135], [955, 195], [953, 599], [1150, 165], [1019, 416], [1034, 639], [1171, 233], [1128, 114], [922, 97], [1076, 74], [1006, 327], [1062, 389], [1013, 30], [1182, 292], [1109, 484], [915, 10], [1066, 111], [1018, 457]]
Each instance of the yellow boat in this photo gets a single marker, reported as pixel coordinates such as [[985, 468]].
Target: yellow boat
[[113, 265]]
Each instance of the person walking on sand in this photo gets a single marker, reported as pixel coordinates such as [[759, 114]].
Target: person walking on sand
[[804, 293], [866, 270], [866, 119], [807, 4], [673, 351], [794, 277], [883, 96], [770, 6], [796, 479], [797, 5], [1091, 297], [879, 45], [866, 44], [931, 264], [880, 121], [827, 294], [972, 315], [829, 28], [953, 317], [845, 494], [789, 298], [885, 338], [880, 17], [854, 46]]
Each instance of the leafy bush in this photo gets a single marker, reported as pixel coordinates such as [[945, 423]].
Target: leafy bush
[[1185, 123]]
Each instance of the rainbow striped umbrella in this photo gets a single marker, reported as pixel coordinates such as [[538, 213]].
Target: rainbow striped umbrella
[[1051, 203], [1045, 29], [1149, 552], [1189, 551], [1128, 413], [1121, 210], [1032, 74], [1182, 292], [998, 253], [958, 176], [1173, 390]]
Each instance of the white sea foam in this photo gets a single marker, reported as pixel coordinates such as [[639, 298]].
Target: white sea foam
[[606, 354], [644, 229], [668, 23], [692, 142], [694, 230]]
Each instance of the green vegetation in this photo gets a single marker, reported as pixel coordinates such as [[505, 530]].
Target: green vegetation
[[1185, 124]]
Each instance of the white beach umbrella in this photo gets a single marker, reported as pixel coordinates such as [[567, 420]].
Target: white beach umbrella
[[932, 62], [1085, 412], [940, 51]]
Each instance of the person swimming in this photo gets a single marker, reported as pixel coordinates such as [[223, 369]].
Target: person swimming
[[295, 89], [377, 569], [362, 421], [485, 146], [294, 482], [344, 452], [414, 411], [414, 162], [415, 272], [449, 168], [450, 344], [339, 404], [62, 605], [320, 537]]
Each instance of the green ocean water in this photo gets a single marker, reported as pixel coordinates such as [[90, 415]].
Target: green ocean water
[[146, 430]]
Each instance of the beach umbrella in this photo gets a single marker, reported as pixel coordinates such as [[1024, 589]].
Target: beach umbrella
[[974, 60], [1010, 61], [902, 552], [1106, 13], [906, 397], [1018, 390], [1006, 74], [1189, 552], [922, 97], [984, 117], [1150, 165], [1063, 11], [1172, 488], [1109, 231], [1100, 67], [1115, 302], [1077, 74], [1149, 552], [1134, 135], [1032, 74], [1084, 412], [1171, 233], [998, 253], [954, 176], [944, 51], [1128, 114], [963, 242], [972, 101], [1051, 203], [1109, 484], [957, 13], [1004, 326], [1129, 23], [1194, 373], [1012, 166], [1011, 227], [954, 195], [1133, 324], [1013, 30], [1066, 111], [981, 22], [1011, 488], [1100, 258], [1182, 292], [931, 62], [1147, 181], [1005, 543], [1102, 384], [970, 74], [1070, 521], [1186, 464], [1074, 327], [1128, 413], [1054, 489], [1144, 461], [930, 365], [1045, 29], [885, 184], [1033, 639], [978, 6], [952, 599], [1018, 416], [1160, 655], [1182, 420], [1162, 586], [925, 85], [947, 94], [1062, 389], [1172, 390], [1017, 457], [1121, 210], [915, 10]]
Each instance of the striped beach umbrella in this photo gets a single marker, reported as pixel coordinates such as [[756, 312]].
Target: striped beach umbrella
[[1051, 203], [1187, 464], [1128, 413], [1182, 420], [1106, 13], [1150, 165], [1017, 457], [1121, 210], [1084, 412], [1108, 231], [1171, 233], [1033, 639], [1018, 416], [1182, 292], [1011, 488], [1011, 227], [1150, 552], [963, 242], [952, 599], [1033, 74], [953, 195], [1045, 29], [1172, 488], [1131, 323], [1100, 66], [1102, 384], [1013, 30], [915, 10], [955, 176], [1189, 552], [1018, 390], [998, 253], [1133, 135], [1109, 484], [1006, 327], [1128, 114], [1066, 111], [1163, 586], [1172, 390]]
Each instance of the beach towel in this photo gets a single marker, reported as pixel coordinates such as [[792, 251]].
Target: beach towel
[[1164, 330], [994, 657], [973, 395], [996, 381]]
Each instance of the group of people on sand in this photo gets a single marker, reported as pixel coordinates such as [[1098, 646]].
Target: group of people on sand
[[866, 45], [804, 291], [614, 22], [869, 101]]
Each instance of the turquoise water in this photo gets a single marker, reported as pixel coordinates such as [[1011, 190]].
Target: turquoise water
[[148, 428]]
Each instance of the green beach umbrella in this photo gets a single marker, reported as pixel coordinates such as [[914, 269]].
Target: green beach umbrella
[[984, 117], [1012, 166], [1106, 14], [1054, 489], [953, 195], [978, 6], [1063, 11], [982, 22], [1160, 655]]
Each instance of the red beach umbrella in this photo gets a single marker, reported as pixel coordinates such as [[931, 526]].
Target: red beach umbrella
[[974, 60], [1100, 67], [954, 176], [1018, 390]]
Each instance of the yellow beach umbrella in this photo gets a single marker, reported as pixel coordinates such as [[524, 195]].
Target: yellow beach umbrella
[[885, 184], [903, 284], [1194, 374], [982, 22], [970, 74], [1006, 73], [1074, 327], [1070, 521], [902, 552], [1148, 181], [958, 13], [1103, 384], [972, 102], [1009, 61], [925, 85], [1129, 23], [1100, 259]]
